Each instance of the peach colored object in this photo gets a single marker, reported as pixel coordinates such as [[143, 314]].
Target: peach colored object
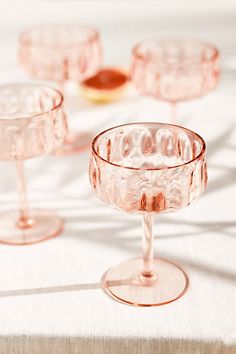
[[105, 86], [32, 123], [174, 70], [147, 168], [61, 52]]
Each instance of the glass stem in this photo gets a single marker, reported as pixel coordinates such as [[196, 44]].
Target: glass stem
[[147, 271], [24, 220], [173, 109]]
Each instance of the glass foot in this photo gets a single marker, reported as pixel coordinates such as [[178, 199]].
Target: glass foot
[[124, 283], [75, 143], [43, 224]]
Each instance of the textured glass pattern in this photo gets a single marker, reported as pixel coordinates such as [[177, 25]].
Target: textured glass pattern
[[174, 70], [148, 167], [60, 52], [32, 121]]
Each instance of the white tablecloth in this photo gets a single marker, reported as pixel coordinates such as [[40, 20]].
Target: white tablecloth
[[50, 296]]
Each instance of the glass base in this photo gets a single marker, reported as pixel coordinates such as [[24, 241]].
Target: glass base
[[43, 224], [124, 283], [75, 143]]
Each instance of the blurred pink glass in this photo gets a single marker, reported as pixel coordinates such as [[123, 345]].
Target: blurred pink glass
[[59, 53], [147, 168], [32, 123], [174, 70]]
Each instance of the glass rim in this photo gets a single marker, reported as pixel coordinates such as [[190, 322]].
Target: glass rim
[[36, 115], [202, 152], [213, 57], [26, 41]]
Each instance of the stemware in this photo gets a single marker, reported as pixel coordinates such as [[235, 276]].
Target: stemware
[[174, 70], [147, 168], [59, 53], [32, 123]]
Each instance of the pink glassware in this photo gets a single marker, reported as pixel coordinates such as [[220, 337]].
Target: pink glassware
[[32, 123], [59, 53], [147, 168], [174, 70]]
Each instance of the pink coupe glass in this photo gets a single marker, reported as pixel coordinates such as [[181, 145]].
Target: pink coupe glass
[[62, 52], [174, 70], [32, 123], [147, 168]]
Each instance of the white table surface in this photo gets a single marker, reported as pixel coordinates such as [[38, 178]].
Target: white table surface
[[50, 296]]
